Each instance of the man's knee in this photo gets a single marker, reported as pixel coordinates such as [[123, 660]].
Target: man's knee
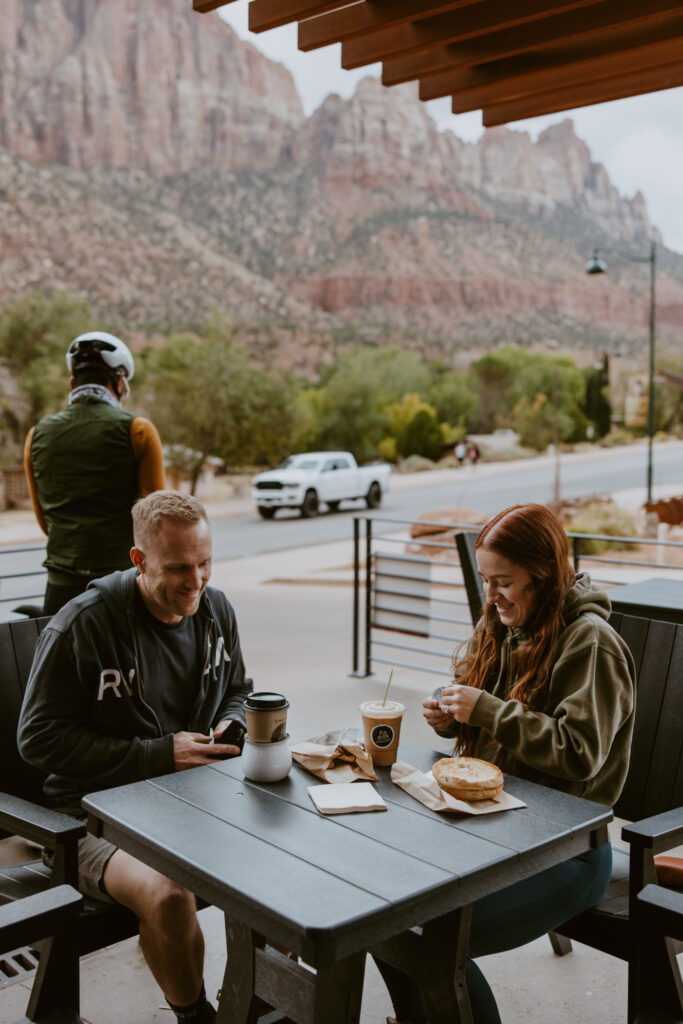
[[154, 898], [171, 907]]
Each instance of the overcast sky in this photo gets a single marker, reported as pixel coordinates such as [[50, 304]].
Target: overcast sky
[[639, 140]]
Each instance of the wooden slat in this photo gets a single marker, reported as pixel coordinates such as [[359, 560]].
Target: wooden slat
[[17, 645], [611, 54], [572, 25], [665, 765], [536, 83], [361, 18], [652, 685], [204, 6], [654, 80], [267, 14], [633, 630], [473, 20]]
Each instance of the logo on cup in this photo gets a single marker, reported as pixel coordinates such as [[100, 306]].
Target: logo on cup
[[382, 735]]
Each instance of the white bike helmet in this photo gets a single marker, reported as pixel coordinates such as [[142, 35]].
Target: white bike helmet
[[100, 347]]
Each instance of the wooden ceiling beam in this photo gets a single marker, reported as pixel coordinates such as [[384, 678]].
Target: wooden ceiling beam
[[631, 43], [631, 84], [473, 20], [572, 25], [267, 14], [361, 18], [536, 82], [204, 6]]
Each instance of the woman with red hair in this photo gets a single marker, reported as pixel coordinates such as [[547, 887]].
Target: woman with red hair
[[546, 691]]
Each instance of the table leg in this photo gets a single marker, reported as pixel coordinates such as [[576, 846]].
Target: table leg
[[436, 956], [259, 978], [239, 1003], [339, 990]]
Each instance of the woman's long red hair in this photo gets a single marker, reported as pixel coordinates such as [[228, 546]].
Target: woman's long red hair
[[530, 536]]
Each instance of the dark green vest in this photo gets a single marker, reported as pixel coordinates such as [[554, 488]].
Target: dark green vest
[[87, 480]]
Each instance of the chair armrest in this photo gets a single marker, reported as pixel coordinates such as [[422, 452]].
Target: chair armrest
[[27, 920], [38, 824], [660, 832], [662, 909]]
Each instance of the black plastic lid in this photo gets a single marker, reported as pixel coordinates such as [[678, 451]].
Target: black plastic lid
[[265, 701]]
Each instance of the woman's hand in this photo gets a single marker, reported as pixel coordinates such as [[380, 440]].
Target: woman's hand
[[438, 719], [457, 701]]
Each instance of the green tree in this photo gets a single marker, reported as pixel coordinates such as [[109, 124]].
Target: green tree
[[206, 397], [530, 392], [35, 331], [597, 407], [551, 395], [356, 392], [494, 383], [452, 397], [421, 436]]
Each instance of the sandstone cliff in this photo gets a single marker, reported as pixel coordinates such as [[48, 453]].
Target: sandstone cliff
[[150, 86], [177, 172]]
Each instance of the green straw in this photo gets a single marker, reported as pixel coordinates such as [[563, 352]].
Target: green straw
[[387, 689]]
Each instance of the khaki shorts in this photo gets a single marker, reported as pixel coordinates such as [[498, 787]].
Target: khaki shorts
[[93, 857]]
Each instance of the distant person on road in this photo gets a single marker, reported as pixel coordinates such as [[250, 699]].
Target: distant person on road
[[546, 691], [473, 453], [461, 451], [87, 465], [128, 681]]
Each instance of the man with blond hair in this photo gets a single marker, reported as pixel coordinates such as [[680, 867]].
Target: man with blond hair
[[129, 681]]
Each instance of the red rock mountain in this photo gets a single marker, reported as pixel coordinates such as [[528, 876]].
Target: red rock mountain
[[177, 172], [146, 85]]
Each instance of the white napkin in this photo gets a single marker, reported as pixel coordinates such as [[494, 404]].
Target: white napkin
[[346, 797]]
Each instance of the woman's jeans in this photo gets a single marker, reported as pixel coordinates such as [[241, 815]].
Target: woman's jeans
[[507, 919]]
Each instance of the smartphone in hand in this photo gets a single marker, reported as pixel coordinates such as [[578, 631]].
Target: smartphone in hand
[[234, 734]]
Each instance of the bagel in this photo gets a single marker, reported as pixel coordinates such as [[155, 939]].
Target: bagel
[[468, 778]]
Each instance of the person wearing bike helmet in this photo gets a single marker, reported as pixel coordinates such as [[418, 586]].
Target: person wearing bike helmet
[[87, 465]]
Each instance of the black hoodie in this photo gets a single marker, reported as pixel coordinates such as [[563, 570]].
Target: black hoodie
[[85, 719]]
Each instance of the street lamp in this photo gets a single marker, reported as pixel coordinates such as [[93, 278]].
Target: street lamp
[[598, 266]]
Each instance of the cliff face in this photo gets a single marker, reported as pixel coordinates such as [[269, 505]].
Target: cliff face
[[149, 86], [555, 172], [176, 172]]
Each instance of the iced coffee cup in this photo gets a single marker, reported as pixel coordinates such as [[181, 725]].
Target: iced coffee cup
[[382, 729]]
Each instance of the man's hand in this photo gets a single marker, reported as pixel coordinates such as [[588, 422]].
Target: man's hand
[[191, 749], [458, 701]]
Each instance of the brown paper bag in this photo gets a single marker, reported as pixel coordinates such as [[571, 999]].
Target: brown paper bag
[[344, 762], [427, 790]]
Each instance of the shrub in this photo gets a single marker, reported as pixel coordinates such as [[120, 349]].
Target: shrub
[[607, 518], [415, 464], [421, 436]]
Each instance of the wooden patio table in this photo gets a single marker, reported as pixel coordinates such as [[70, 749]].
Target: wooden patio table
[[657, 598], [329, 888]]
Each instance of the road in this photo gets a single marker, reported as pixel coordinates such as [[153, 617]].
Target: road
[[487, 489]]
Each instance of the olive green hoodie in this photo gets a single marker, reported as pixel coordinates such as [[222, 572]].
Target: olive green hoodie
[[581, 742]]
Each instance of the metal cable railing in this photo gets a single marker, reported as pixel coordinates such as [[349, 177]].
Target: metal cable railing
[[410, 603], [22, 577]]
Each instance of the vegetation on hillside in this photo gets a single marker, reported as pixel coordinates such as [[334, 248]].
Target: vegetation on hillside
[[208, 398]]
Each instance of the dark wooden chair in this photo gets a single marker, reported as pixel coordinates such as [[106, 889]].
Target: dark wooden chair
[[474, 587], [658, 912], [48, 917], [652, 799], [22, 813]]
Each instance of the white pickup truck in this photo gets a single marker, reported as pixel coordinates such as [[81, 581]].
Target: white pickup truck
[[306, 481]]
